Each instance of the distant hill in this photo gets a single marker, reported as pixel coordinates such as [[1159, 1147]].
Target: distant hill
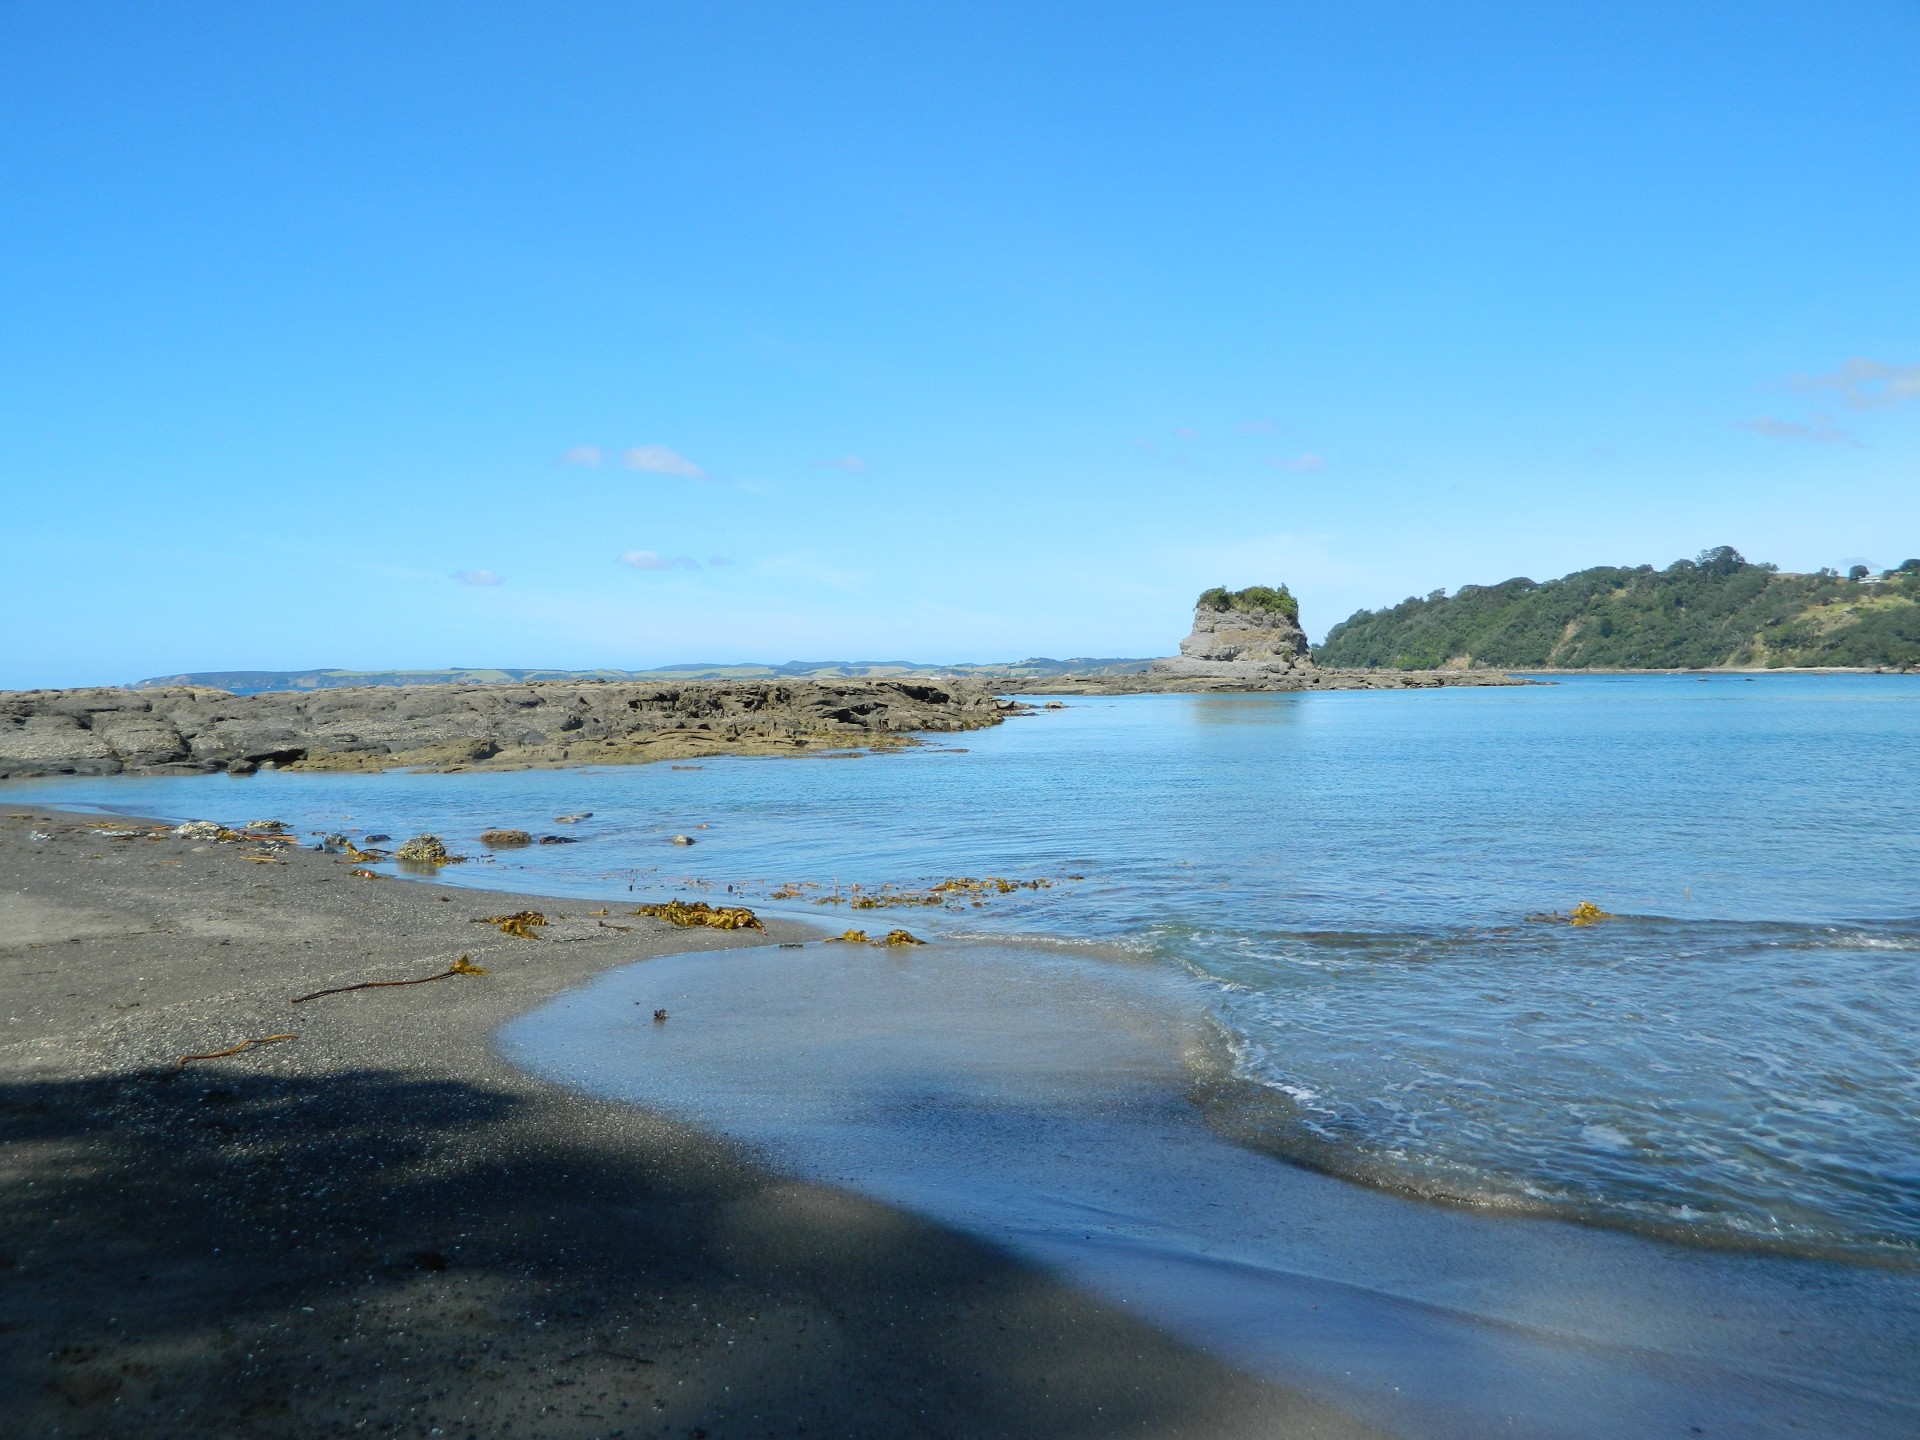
[[1716, 610], [251, 682]]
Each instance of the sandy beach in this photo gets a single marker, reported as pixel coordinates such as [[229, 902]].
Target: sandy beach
[[381, 1227]]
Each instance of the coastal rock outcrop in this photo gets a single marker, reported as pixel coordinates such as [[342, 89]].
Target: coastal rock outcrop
[[1250, 635], [191, 729]]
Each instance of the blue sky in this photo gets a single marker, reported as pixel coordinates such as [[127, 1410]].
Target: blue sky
[[627, 334]]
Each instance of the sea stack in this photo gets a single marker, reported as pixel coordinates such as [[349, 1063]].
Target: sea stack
[[1252, 635]]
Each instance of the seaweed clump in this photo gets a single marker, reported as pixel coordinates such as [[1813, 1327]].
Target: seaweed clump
[[699, 912], [1585, 913], [949, 891], [521, 924]]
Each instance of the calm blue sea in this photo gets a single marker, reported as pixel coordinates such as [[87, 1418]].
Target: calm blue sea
[[1734, 1059]]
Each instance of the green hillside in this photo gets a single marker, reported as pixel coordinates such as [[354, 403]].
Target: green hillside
[[1717, 610]]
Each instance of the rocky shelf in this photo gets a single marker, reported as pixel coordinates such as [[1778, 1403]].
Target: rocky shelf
[[185, 730]]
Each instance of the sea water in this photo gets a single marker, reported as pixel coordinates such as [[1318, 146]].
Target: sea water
[[1344, 886]]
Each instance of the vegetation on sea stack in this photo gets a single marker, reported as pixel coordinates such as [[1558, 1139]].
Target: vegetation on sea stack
[[1255, 599], [1718, 609]]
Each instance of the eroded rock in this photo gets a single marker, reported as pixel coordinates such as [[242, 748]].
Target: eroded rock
[[1252, 634], [450, 727]]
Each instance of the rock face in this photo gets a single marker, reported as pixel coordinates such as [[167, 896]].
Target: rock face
[[1251, 635], [452, 727]]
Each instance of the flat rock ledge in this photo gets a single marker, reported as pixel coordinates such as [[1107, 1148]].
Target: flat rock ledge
[[190, 730]]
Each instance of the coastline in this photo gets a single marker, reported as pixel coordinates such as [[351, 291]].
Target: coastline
[[544, 725], [383, 1224], [1306, 679]]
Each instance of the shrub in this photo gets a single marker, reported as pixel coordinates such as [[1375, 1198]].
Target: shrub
[[1255, 599]]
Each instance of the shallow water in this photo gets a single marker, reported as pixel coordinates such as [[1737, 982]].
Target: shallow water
[[1043, 1099], [1344, 880]]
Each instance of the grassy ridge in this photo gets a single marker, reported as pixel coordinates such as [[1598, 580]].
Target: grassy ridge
[[1716, 610]]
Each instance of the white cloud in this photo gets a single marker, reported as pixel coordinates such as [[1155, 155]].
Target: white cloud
[[850, 463], [587, 455], [1820, 432], [1257, 427], [659, 460], [720, 560], [649, 560], [1864, 384], [1306, 464], [476, 577]]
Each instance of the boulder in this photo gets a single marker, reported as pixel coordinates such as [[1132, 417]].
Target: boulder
[[425, 850]]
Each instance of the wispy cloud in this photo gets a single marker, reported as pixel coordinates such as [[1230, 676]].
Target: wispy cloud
[[1143, 444], [476, 577], [721, 560], [1821, 432], [852, 464], [587, 455], [1864, 384], [650, 560], [1187, 432], [1307, 464], [659, 460], [1257, 427]]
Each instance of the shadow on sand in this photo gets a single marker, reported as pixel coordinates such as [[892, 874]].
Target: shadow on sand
[[219, 1254]]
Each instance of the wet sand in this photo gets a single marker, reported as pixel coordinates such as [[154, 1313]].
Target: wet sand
[[381, 1227]]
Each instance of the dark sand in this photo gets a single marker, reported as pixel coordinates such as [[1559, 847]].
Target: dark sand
[[380, 1227]]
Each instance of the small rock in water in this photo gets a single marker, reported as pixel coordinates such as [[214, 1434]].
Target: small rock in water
[[573, 819], [376, 839], [682, 840], [558, 840], [505, 839], [424, 850], [239, 769]]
